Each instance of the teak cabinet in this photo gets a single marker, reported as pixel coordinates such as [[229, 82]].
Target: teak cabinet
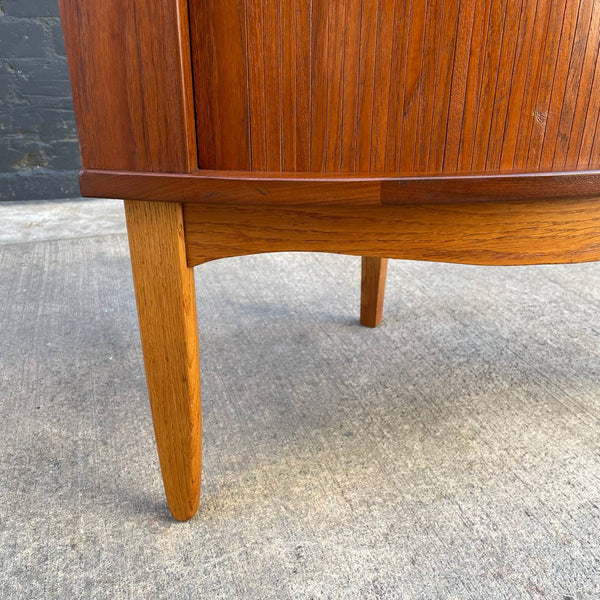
[[431, 130]]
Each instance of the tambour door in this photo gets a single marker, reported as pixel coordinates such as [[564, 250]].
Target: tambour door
[[397, 86]]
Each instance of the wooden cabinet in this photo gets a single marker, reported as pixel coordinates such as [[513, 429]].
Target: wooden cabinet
[[439, 130]]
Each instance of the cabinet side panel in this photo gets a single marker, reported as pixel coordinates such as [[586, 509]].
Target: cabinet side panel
[[130, 68]]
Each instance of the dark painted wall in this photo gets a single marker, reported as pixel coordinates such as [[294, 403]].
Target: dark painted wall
[[39, 156]]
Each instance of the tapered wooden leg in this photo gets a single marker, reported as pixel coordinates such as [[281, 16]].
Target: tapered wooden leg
[[166, 301], [374, 271]]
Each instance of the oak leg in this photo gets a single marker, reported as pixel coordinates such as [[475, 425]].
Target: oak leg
[[374, 271], [166, 301]]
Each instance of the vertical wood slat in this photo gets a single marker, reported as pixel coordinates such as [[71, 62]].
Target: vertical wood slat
[[519, 83], [288, 82], [512, 44], [427, 100], [575, 20], [446, 64], [229, 146], [256, 84], [556, 140], [352, 52], [303, 43], [397, 86], [272, 70], [474, 82], [410, 105], [551, 70], [584, 97], [335, 83], [534, 78], [489, 85], [381, 84], [587, 155], [458, 89], [365, 85], [402, 20], [319, 55]]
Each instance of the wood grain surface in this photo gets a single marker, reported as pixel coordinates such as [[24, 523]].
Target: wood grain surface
[[226, 187], [166, 302], [395, 86], [129, 62], [484, 233], [372, 290]]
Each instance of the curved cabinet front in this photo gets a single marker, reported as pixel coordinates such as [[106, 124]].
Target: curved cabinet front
[[397, 87]]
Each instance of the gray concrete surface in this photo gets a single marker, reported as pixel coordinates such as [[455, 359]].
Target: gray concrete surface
[[451, 453], [59, 219]]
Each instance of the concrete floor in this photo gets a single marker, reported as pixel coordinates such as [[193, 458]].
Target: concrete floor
[[59, 219], [451, 453]]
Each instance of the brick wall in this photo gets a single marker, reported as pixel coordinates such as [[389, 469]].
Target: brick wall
[[39, 156]]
